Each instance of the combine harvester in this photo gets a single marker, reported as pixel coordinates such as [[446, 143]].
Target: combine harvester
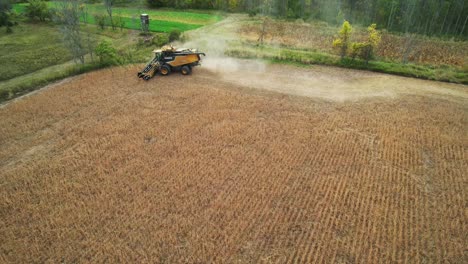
[[169, 59]]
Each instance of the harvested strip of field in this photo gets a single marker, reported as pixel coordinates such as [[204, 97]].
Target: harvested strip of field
[[107, 167]]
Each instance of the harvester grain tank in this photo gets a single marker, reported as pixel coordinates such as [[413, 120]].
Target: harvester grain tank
[[168, 59]]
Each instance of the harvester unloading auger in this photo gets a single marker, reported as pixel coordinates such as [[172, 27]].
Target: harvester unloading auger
[[169, 59]]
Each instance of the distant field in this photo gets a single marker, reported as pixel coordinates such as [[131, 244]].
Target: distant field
[[175, 16], [31, 56], [155, 25], [34, 55], [160, 21], [30, 48]]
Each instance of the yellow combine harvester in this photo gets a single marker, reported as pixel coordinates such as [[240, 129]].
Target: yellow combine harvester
[[168, 59]]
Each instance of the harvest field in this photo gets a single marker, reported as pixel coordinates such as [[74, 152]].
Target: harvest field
[[105, 167]]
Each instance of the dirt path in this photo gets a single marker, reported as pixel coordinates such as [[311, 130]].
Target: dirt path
[[329, 83]]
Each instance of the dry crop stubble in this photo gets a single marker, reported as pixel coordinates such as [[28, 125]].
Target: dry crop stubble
[[107, 167]]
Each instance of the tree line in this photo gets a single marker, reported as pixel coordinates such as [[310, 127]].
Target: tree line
[[427, 17]]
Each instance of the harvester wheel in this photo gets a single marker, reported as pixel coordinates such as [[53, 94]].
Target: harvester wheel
[[186, 70], [165, 70]]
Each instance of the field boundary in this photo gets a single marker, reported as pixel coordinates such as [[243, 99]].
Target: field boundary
[[39, 89]]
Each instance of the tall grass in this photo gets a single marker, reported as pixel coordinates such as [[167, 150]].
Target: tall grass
[[30, 48]]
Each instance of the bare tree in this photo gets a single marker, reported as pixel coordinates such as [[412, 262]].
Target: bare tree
[[108, 4], [90, 43], [459, 16], [284, 8], [390, 17], [262, 33], [464, 25], [68, 18], [445, 17], [303, 6], [410, 36], [313, 6], [407, 47]]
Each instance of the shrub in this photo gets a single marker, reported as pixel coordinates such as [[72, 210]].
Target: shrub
[[8, 17], [174, 35], [37, 10], [119, 22], [374, 38], [357, 49], [11, 20], [157, 3], [106, 53], [340, 17], [365, 50], [183, 38], [160, 40], [290, 14], [100, 20], [4, 95]]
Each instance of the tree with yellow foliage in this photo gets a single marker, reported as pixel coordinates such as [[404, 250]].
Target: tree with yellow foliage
[[365, 50], [342, 42], [374, 38]]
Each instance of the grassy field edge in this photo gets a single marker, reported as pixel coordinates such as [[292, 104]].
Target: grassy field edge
[[22, 85]]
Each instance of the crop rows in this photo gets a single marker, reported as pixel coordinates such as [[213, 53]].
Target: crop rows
[[162, 171]]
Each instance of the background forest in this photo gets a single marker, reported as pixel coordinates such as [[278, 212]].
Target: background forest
[[428, 17]]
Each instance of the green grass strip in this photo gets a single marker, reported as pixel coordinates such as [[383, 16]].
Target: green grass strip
[[154, 26], [160, 21]]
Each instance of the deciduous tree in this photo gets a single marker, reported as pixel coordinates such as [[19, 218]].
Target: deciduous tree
[[109, 4], [68, 18], [37, 10], [6, 15], [342, 42]]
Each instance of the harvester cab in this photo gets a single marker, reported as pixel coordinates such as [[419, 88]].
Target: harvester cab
[[168, 59]]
